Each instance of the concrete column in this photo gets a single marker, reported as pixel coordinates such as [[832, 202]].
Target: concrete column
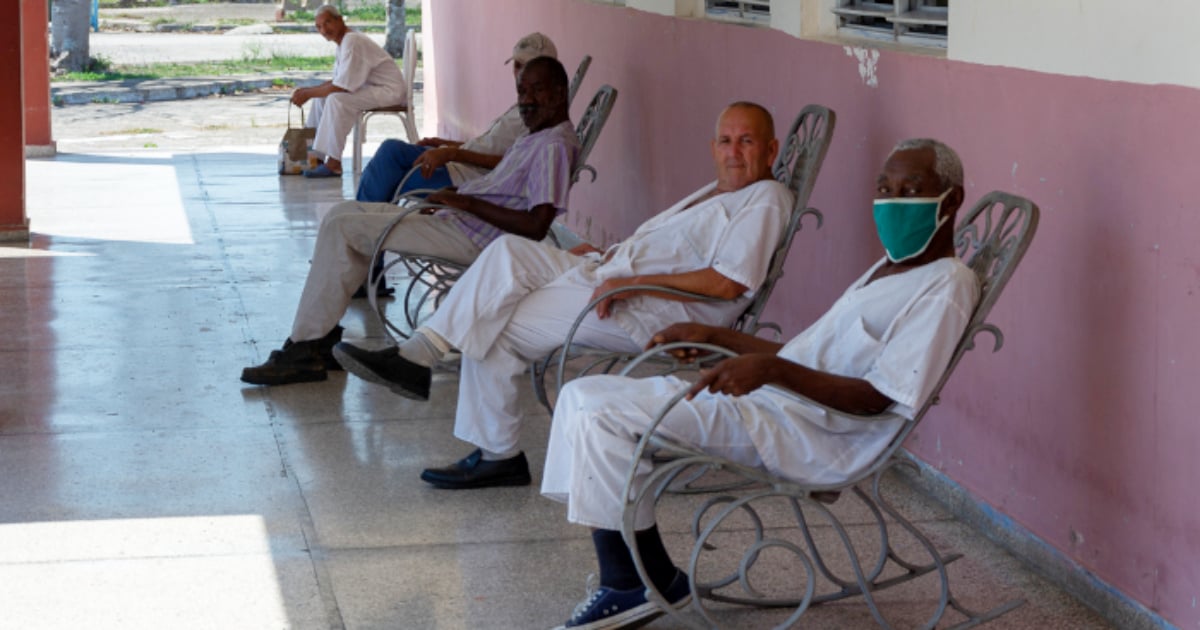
[[13, 223], [39, 141]]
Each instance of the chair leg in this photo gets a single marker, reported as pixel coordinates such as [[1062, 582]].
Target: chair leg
[[410, 126], [360, 130]]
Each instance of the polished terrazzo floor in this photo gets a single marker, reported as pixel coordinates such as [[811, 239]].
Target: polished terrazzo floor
[[142, 485]]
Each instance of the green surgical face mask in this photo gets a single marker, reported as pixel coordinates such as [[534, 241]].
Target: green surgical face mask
[[906, 225]]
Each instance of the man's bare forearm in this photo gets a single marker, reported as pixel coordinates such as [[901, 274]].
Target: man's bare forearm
[[707, 282], [533, 224], [484, 160], [844, 393]]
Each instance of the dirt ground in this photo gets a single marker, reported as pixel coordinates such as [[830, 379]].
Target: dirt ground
[[256, 118]]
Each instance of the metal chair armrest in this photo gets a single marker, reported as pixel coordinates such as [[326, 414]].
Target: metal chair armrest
[[713, 350], [373, 278], [566, 345], [396, 196]]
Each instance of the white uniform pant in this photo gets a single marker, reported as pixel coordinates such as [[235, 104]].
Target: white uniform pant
[[515, 304], [334, 115], [342, 256], [598, 421]]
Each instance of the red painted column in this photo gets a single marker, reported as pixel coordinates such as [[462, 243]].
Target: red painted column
[[38, 139], [13, 223]]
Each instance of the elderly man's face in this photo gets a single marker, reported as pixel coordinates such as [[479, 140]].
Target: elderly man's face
[[330, 27], [538, 99], [909, 173], [743, 149]]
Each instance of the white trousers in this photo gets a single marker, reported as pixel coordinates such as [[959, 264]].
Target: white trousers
[[342, 257], [598, 421], [515, 304], [334, 115]]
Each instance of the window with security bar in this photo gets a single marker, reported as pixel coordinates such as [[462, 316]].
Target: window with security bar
[[740, 10], [919, 22]]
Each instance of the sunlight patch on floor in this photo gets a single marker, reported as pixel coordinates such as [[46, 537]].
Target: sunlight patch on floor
[[178, 572]]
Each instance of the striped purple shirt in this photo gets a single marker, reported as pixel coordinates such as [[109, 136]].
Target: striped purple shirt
[[536, 170]]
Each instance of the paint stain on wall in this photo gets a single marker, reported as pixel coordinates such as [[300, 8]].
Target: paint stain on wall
[[868, 59]]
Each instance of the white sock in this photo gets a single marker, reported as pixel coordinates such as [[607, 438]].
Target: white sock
[[493, 456], [420, 349], [437, 340]]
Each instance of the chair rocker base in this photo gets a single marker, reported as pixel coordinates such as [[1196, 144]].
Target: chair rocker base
[[679, 470]]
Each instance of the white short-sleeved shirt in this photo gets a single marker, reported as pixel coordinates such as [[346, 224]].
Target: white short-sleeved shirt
[[497, 140], [360, 61], [734, 233], [897, 333]]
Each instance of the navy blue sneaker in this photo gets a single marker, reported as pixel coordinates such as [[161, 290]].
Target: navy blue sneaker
[[608, 609]]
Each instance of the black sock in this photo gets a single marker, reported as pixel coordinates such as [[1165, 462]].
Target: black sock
[[616, 564], [655, 558]]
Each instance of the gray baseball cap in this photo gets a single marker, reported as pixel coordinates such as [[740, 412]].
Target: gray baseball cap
[[532, 46]]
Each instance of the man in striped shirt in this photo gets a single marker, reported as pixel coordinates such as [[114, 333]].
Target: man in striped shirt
[[521, 196]]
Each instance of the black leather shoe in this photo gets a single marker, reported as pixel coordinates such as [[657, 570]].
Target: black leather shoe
[[386, 367], [294, 363], [474, 472], [324, 347]]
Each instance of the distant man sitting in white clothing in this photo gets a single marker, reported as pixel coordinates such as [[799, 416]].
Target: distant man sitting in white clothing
[[520, 297], [364, 76]]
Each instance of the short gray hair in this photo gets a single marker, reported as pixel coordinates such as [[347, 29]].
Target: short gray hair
[[948, 167], [330, 9]]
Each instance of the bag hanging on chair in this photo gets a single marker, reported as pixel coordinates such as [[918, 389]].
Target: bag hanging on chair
[[294, 148]]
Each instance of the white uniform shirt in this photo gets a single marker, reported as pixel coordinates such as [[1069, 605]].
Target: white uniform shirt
[[360, 61], [735, 233], [497, 140], [897, 333]]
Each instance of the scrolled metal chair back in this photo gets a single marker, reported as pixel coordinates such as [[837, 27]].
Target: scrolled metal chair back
[[589, 127], [991, 239], [577, 80], [797, 166]]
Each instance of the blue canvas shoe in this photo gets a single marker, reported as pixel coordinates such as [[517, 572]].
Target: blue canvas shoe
[[607, 609], [321, 171]]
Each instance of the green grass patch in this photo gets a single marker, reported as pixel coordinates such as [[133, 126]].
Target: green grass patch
[[131, 132], [249, 65]]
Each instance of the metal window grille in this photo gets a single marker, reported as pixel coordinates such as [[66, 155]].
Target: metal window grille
[[740, 10], [919, 22]]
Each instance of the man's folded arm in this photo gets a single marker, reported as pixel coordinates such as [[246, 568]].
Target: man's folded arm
[[532, 224], [707, 282], [743, 374]]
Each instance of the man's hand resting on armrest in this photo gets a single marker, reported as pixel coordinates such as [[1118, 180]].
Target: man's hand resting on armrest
[[437, 142], [584, 249], [740, 375], [738, 342]]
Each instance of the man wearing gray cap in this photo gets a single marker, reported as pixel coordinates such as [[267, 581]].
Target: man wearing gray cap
[[522, 195], [448, 162]]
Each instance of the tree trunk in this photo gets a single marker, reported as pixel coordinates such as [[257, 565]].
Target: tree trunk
[[69, 23], [393, 41]]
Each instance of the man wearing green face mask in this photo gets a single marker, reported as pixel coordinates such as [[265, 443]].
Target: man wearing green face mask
[[881, 347]]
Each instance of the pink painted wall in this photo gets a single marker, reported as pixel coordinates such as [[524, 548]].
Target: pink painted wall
[[1084, 428]]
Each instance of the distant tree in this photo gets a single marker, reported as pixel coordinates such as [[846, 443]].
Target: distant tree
[[393, 41], [69, 22]]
